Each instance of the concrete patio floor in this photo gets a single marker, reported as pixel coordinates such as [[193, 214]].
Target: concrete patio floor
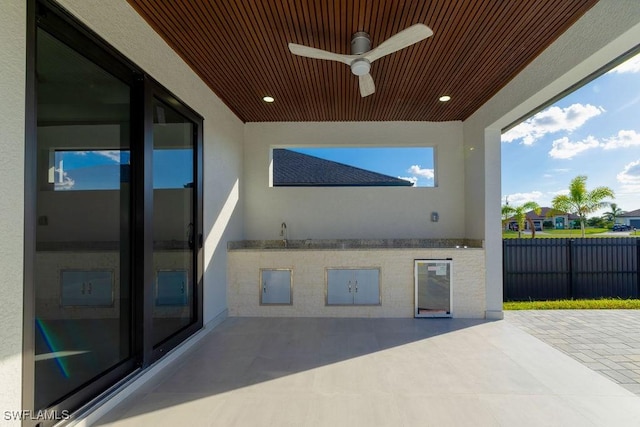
[[375, 372]]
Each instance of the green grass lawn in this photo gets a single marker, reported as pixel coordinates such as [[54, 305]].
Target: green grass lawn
[[586, 304], [589, 232]]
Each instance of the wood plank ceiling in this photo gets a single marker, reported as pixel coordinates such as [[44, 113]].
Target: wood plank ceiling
[[239, 48]]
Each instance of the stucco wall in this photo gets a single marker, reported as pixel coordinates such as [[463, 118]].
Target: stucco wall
[[605, 32], [12, 93], [123, 28], [309, 285], [354, 212], [608, 30]]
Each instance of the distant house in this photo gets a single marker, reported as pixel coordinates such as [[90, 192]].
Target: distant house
[[630, 218], [293, 169], [560, 220]]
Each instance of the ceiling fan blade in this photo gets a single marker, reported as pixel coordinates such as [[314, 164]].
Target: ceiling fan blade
[[367, 87], [404, 38], [312, 52]]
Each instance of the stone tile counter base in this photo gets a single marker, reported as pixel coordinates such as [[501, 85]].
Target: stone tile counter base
[[308, 266]]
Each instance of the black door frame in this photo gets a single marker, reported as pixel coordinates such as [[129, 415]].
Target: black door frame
[[48, 15]]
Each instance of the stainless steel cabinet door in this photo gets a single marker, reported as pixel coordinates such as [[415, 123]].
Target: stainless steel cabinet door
[[353, 286], [87, 288], [340, 287], [367, 287], [172, 287], [276, 287]]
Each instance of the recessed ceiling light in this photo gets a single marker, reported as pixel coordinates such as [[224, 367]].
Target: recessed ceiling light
[[444, 98], [268, 99]]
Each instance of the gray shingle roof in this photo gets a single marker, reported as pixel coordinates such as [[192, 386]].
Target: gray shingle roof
[[630, 214], [291, 168], [546, 213]]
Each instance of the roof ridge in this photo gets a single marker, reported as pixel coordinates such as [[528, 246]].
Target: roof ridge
[[304, 169]]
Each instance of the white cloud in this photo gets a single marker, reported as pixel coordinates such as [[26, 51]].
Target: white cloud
[[624, 139], [411, 179], [110, 154], [630, 174], [559, 192], [631, 103], [416, 170], [551, 120], [66, 184], [630, 66], [541, 198], [563, 148], [630, 180], [518, 199]]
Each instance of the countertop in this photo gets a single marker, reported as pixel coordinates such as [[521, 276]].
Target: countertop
[[353, 244]]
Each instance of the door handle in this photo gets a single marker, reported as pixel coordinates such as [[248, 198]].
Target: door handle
[[349, 286], [264, 288], [356, 286]]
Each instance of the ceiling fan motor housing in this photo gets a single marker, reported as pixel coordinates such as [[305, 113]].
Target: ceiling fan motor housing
[[360, 43]]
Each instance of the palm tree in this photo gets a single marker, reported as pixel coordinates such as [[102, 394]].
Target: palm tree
[[613, 213], [580, 201], [519, 214]]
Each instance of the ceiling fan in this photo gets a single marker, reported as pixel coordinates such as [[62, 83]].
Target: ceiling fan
[[362, 55]]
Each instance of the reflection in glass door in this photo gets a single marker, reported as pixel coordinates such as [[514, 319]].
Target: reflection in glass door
[[82, 271], [174, 232], [113, 214]]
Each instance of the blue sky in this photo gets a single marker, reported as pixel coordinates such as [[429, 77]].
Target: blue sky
[[100, 169], [594, 131], [414, 164]]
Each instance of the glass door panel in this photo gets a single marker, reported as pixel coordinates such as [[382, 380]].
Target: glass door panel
[[433, 288], [82, 271], [174, 234]]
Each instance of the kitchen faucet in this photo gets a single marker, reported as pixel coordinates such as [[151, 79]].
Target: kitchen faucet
[[283, 233]]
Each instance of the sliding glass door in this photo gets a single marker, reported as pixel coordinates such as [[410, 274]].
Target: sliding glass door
[[114, 193], [174, 232], [83, 318]]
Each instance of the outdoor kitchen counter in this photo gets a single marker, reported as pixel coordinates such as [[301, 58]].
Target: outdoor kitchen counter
[[310, 262], [353, 244]]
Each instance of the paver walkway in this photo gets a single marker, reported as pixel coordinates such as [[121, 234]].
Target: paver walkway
[[607, 341]]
